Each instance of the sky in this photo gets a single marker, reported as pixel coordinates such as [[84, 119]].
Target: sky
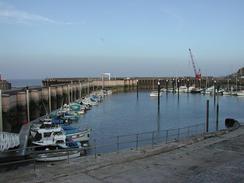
[[73, 38]]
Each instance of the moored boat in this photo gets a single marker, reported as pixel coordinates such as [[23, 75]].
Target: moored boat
[[240, 93], [155, 94], [58, 153], [50, 137], [77, 135], [196, 90]]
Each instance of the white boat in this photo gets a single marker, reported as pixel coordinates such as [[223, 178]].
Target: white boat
[[88, 101], [182, 89], [227, 93], [45, 124], [163, 90], [109, 92], [77, 135], [58, 153], [57, 156], [155, 94], [50, 137], [196, 90], [190, 89], [240, 93]]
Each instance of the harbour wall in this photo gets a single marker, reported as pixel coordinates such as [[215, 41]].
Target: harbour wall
[[23, 105]]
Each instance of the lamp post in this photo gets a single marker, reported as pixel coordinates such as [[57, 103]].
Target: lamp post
[[158, 93], [167, 82]]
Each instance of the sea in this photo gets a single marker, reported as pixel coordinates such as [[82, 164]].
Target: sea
[[18, 83]]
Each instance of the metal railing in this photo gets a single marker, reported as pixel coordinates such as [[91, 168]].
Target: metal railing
[[136, 140], [117, 143]]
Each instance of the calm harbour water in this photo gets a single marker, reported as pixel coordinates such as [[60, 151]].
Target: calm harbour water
[[122, 113], [25, 82]]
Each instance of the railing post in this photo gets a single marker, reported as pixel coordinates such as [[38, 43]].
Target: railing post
[[166, 139], [217, 117], [136, 141], [95, 148], [152, 138], [35, 166], [178, 134], [207, 116], [117, 144], [68, 156]]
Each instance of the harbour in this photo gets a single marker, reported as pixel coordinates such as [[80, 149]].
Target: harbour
[[121, 91], [131, 117]]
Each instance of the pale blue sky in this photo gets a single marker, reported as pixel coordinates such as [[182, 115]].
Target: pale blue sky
[[58, 38]]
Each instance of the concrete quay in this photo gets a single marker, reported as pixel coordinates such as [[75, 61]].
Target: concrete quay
[[214, 157]]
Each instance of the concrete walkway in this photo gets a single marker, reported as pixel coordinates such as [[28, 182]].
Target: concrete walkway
[[215, 157]]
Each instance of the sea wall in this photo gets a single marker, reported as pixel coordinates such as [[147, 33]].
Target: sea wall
[[23, 105]]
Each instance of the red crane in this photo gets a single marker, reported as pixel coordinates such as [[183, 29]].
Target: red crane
[[197, 73]]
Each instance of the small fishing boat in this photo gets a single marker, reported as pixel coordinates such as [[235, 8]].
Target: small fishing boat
[[155, 94], [196, 90], [227, 93], [50, 137], [109, 92], [77, 108], [59, 153], [240, 93], [70, 115], [45, 124], [89, 101], [77, 135], [182, 89]]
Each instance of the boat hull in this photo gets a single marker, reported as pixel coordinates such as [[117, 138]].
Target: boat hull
[[82, 136], [57, 156]]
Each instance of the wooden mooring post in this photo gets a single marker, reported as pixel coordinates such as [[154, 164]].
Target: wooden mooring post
[[207, 116], [217, 117], [137, 89]]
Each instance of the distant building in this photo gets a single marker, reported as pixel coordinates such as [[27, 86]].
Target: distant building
[[4, 85]]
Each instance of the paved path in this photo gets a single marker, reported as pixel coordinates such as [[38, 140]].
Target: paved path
[[213, 158]]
